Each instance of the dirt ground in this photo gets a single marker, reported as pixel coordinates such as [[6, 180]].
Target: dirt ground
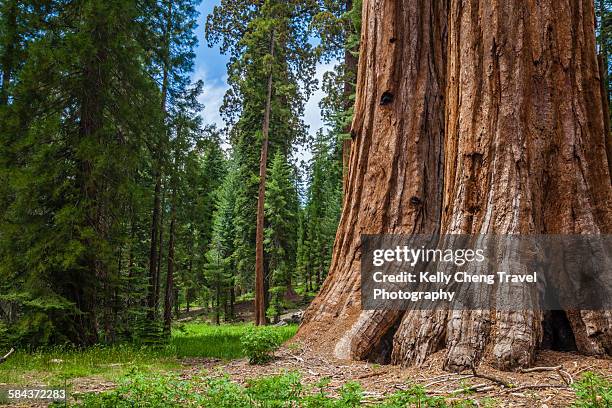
[[547, 388]]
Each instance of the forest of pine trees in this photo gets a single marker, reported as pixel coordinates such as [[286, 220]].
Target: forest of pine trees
[[120, 208]]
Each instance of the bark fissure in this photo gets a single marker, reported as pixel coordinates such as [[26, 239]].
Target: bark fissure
[[493, 123]]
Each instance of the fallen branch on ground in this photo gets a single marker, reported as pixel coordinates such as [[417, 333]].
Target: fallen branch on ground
[[7, 355], [474, 388], [537, 369], [369, 375], [492, 378], [537, 386], [447, 379], [569, 380]]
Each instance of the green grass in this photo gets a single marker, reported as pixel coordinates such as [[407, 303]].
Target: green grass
[[204, 340], [284, 390], [288, 390], [56, 365]]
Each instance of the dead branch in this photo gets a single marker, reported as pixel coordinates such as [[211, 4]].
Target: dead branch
[[536, 386], [7, 355], [369, 375], [475, 388], [491, 378], [537, 369], [447, 379], [569, 380], [583, 369]]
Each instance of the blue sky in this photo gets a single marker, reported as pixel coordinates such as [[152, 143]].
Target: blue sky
[[210, 66]]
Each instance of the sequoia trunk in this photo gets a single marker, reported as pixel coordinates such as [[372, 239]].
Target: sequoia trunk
[[395, 170], [523, 151]]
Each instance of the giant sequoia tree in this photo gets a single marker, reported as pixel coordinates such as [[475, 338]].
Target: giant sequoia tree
[[482, 117]]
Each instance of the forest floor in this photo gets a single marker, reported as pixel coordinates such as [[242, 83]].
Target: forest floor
[[550, 387], [200, 351]]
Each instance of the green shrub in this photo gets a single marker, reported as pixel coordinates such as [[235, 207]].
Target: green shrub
[[593, 391], [140, 390], [222, 393], [259, 344]]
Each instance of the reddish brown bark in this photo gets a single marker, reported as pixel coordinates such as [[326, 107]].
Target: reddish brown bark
[[350, 71], [395, 172], [260, 285], [524, 151]]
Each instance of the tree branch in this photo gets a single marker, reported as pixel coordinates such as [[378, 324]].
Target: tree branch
[[7, 355], [492, 378]]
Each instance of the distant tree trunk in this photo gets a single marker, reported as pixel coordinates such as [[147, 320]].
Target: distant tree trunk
[[521, 154], [232, 300], [169, 298], [156, 225], [131, 258], [7, 59], [189, 289], [260, 291], [217, 303], [151, 299], [176, 302], [160, 251]]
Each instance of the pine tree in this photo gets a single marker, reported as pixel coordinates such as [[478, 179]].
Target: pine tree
[[223, 235], [171, 25], [219, 275], [322, 210], [205, 168], [185, 131], [74, 144], [281, 231], [83, 140], [268, 43]]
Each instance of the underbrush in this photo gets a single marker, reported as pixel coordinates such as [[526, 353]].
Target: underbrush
[[56, 365], [288, 390], [593, 391]]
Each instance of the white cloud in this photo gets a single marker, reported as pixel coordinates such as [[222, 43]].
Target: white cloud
[[211, 97], [215, 88], [312, 111]]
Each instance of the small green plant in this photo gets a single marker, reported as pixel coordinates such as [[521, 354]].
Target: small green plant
[[593, 391], [351, 395], [259, 344], [142, 390], [414, 397], [283, 390], [489, 402]]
